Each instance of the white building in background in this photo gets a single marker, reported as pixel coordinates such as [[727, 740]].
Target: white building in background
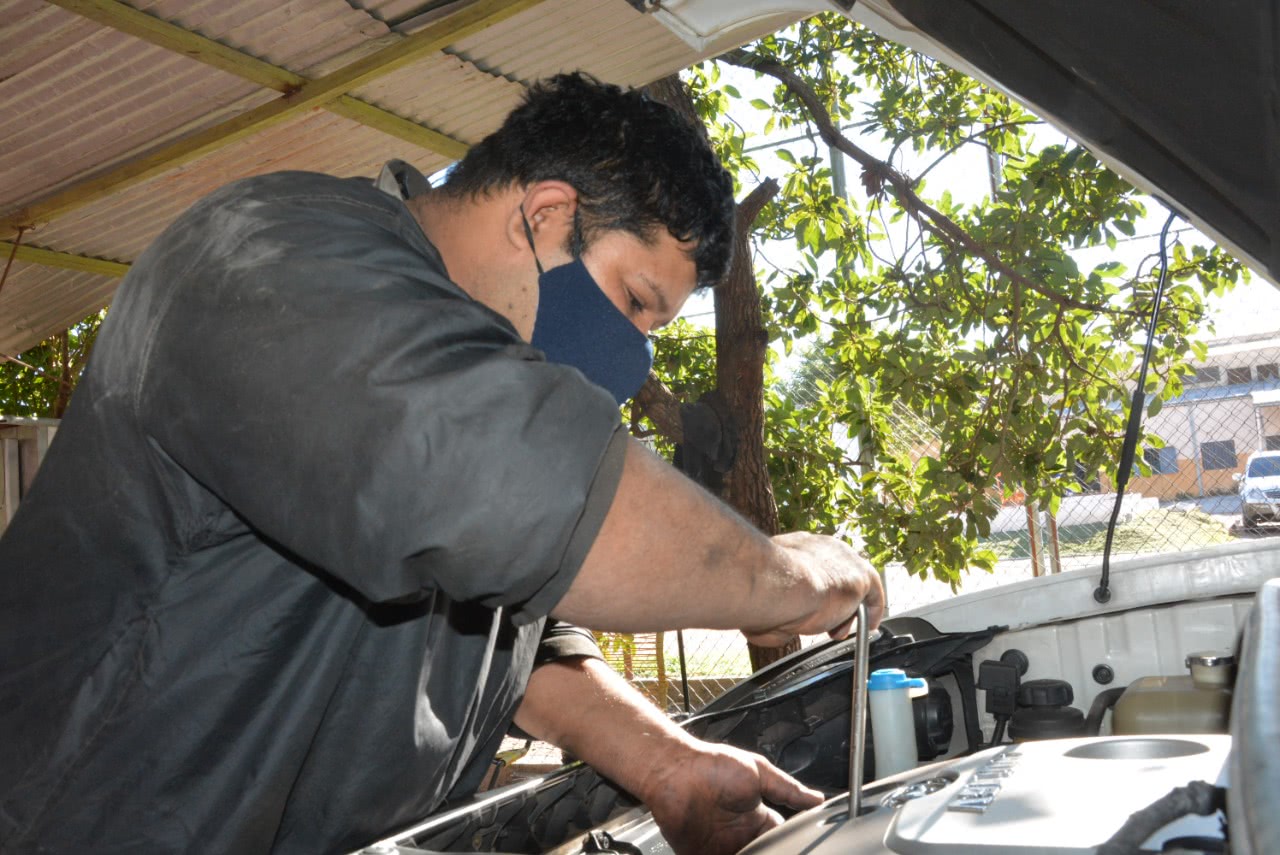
[[1229, 409]]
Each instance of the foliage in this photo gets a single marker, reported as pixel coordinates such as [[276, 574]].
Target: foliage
[[42, 387], [615, 645], [684, 357], [1017, 371]]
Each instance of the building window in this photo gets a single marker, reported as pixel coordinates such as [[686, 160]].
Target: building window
[[1163, 461], [1218, 455], [1238, 375], [1273, 442], [1206, 376], [1268, 371]]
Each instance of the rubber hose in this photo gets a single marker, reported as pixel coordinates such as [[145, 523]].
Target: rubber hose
[[1105, 700]]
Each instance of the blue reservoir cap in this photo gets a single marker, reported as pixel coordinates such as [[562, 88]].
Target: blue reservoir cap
[[893, 678]]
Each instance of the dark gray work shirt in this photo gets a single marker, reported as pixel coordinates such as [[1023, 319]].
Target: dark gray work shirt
[[282, 577]]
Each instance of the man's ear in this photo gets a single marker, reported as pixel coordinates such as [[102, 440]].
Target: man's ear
[[548, 207]]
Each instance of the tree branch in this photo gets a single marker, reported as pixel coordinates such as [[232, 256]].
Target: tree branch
[[662, 407], [751, 206], [970, 138], [877, 174]]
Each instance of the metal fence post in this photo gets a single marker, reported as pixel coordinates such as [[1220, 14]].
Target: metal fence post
[[1195, 449], [1055, 556], [1035, 534]]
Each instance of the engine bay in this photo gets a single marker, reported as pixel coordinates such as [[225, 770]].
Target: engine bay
[[1008, 764]]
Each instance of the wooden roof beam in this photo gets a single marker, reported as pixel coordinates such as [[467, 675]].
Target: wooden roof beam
[[65, 260], [142, 25], [319, 92]]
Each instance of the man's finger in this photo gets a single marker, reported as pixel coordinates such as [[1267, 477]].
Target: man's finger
[[780, 788], [875, 601], [842, 631]]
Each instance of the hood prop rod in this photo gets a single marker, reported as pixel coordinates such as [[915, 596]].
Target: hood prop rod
[[1133, 428], [858, 720]]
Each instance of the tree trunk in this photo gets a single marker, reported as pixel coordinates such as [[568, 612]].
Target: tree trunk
[[741, 347], [64, 376]]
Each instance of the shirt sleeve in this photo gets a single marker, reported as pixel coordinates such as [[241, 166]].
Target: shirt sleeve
[[309, 363], [562, 640]]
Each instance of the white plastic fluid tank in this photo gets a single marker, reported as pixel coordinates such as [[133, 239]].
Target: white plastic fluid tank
[[893, 727]]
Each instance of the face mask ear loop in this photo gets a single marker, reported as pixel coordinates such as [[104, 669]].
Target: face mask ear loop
[[528, 234], [575, 245]]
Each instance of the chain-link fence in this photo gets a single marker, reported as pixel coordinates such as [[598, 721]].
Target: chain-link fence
[[679, 671], [1186, 494]]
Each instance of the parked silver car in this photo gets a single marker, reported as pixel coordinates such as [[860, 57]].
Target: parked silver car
[[1260, 489]]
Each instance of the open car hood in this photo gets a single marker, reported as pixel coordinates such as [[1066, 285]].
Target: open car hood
[[1182, 99]]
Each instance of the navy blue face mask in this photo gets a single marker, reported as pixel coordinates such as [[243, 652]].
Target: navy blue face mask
[[578, 325]]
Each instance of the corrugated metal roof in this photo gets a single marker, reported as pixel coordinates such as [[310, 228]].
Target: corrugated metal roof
[[394, 10], [78, 98], [296, 35], [38, 300], [121, 226], [448, 94], [611, 40]]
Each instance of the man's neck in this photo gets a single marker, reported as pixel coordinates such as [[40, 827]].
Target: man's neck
[[469, 235]]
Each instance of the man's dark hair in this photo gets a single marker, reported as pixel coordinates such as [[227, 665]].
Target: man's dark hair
[[636, 164]]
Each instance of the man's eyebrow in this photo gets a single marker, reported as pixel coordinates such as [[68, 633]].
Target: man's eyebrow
[[663, 306]]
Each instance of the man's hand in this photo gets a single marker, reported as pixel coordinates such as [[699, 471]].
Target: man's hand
[[841, 579], [706, 798], [710, 799]]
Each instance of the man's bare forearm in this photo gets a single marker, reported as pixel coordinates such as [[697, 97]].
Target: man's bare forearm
[[584, 707], [669, 555]]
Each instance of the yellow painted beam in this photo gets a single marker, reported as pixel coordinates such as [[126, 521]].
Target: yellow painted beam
[[66, 260], [314, 93], [141, 25], [397, 126]]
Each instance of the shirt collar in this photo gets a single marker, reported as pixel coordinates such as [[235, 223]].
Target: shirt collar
[[401, 181]]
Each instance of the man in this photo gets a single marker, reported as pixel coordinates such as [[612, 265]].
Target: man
[[286, 572]]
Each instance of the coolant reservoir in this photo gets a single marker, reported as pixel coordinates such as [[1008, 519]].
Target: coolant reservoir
[[1196, 703], [893, 729]]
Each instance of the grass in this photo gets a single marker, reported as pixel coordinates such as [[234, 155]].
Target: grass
[[722, 662], [1153, 531]]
